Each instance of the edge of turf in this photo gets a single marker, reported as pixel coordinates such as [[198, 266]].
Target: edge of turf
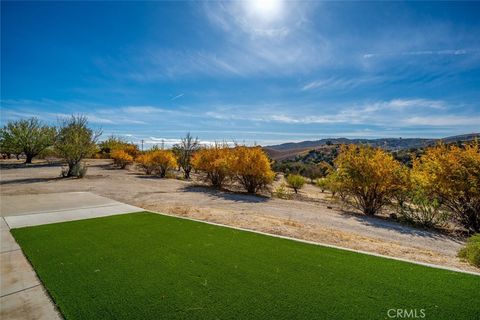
[[42, 284], [322, 244]]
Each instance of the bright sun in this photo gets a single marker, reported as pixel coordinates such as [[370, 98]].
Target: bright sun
[[265, 9]]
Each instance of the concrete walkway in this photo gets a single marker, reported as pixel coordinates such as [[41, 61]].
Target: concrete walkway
[[22, 295], [36, 209]]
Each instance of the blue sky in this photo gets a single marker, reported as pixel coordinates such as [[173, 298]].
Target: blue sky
[[252, 71]]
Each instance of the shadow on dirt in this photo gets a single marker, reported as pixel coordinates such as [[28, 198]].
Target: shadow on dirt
[[8, 166], [384, 223], [28, 180], [105, 166], [226, 195]]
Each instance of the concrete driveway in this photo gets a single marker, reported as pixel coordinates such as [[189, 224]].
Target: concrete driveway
[[22, 295]]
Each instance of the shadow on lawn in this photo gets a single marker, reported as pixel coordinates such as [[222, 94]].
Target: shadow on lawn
[[226, 194]]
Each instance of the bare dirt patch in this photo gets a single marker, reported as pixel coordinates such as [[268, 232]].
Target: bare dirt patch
[[316, 219]]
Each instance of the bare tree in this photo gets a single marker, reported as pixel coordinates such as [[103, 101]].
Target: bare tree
[[184, 151]]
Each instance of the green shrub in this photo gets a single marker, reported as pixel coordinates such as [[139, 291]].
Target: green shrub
[[28, 136], [79, 170], [107, 147], [47, 153], [75, 141], [281, 192], [417, 208], [471, 251], [295, 182], [322, 183], [184, 152]]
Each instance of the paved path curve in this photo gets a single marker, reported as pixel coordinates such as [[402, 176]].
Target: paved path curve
[[22, 295]]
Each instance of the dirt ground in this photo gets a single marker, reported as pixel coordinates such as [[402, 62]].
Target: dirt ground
[[309, 216]]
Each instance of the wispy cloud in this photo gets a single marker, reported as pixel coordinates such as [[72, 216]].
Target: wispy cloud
[[369, 118], [301, 67], [45, 110], [169, 142], [445, 121], [340, 83], [177, 96], [244, 45], [403, 104], [300, 39], [456, 52], [143, 109], [392, 113]]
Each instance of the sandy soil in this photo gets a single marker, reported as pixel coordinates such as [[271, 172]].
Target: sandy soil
[[310, 216]]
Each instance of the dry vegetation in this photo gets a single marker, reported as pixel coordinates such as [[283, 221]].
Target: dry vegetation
[[309, 215], [440, 192]]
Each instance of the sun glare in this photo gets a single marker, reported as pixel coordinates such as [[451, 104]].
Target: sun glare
[[265, 9]]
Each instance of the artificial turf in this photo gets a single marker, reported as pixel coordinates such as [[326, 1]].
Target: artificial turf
[[149, 266]]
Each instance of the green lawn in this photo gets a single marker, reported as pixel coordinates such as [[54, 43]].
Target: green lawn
[[149, 266]]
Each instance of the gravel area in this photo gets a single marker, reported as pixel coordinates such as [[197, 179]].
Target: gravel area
[[312, 216]]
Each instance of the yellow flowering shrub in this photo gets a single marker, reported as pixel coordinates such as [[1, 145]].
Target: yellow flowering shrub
[[163, 160], [121, 158], [452, 175], [251, 167], [215, 162], [145, 162], [369, 176]]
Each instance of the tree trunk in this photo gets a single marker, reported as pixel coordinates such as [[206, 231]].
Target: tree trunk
[[71, 167], [369, 211], [70, 170], [162, 172], [186, 173], [471, 220], [29, 158], [368, 208]]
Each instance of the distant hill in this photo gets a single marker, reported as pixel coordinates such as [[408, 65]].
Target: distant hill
[[291, 150], [285, 154], [463, 137]]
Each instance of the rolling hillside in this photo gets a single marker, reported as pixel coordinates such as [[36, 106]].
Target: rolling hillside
[[291, 150]]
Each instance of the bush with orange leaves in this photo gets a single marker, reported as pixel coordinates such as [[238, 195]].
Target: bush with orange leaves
[[116, 143], [451, 174], [157, 162], [164, 160], [131, 149], [370, 177], [250, 166], [145, 162], [121, 158], [215, 162]]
